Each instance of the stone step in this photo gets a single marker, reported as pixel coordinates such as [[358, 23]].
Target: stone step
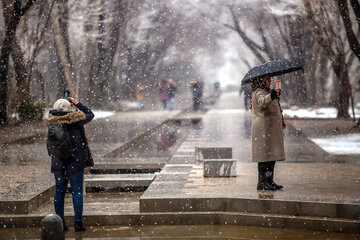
[[28, 196], [256, 206], [197, 218], [118, 180]]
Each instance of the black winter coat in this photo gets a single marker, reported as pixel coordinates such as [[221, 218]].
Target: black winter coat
[[81, 156]]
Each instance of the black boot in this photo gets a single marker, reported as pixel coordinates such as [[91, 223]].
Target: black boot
[[271, 180], [264, 175], [64, 226], [79, 227]]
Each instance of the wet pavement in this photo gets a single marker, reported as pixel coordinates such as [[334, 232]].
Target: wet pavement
[[308, 175], [204, 232], [23, 148]]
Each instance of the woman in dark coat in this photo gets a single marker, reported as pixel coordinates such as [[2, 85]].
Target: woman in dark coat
[[266, 131], [72, 167], [164, 93]]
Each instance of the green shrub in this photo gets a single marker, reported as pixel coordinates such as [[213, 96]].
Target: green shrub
[[31, 111]]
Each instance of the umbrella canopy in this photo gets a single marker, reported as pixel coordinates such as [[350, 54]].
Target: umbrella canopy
[[273, 68]]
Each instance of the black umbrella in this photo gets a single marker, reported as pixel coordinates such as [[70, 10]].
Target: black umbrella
[[273, 68]]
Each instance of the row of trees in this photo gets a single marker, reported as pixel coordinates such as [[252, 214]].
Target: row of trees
[[97, 49], [100, 49], [320, 33]]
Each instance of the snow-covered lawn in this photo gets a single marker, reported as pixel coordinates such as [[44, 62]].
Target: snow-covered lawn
[[340, 144], [337, 145], [316, 112], [102, 114]]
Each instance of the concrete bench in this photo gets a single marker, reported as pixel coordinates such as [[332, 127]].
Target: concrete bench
[[219, 168], [202, 153]]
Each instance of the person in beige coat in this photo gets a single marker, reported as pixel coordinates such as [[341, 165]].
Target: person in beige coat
[[266, 131]]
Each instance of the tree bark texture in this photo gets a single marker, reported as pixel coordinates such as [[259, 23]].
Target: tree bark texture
[[16, 12], [88, 86], [23, 94], [356, 8], [62, 48], [351, 37]]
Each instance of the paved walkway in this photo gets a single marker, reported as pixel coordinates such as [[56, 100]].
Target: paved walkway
[[315, 185], [24, 156]]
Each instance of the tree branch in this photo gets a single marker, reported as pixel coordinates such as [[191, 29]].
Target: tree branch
[[318, 31], [356, 7], [27, 6], [353, 42], [251, 44]]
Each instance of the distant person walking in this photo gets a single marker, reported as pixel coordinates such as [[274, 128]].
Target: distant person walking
[[68, 163], [164, 93], [172, 91], [266, 131], [245, 90], [196, 89], [140, 90]]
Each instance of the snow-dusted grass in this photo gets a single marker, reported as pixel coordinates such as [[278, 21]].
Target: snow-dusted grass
[[340, 144], [316, 112], [346, 144], [102, 114]]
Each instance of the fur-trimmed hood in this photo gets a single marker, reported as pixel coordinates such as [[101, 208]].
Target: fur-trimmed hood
[[69, 118]]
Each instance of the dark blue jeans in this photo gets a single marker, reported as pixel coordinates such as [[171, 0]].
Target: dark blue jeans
[[76, 181]]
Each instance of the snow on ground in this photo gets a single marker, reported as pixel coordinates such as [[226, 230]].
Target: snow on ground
[[340, 144], [316, 112], [102, 114], [337, 145]]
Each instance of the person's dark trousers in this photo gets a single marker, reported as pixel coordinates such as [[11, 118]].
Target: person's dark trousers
[[164, 104], [264, 171], [271, 166], [196, 105], [76, 181], [246, 103]]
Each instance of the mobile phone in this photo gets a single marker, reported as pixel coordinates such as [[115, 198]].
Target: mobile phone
[[278, 84], [67, 94]]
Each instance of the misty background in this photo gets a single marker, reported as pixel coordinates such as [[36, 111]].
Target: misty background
[[100, 50]]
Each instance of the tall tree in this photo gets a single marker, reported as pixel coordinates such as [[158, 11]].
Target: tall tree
[[323, 25], [18, 12], [351, 36], [59, 18]]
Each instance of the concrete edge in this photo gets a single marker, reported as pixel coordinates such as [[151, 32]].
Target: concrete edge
[[264, 206], [200, 218]]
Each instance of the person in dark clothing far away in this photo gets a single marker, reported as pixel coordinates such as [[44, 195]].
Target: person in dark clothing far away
[[164, 93], [140, 95], [172, 91], [196, 89], [70, 167], [245, 90]]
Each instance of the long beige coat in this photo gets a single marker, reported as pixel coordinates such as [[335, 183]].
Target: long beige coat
[[266, 130]]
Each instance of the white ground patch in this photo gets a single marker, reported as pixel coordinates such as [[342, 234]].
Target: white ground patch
[[102, 114], [340, 144], [316, 112]]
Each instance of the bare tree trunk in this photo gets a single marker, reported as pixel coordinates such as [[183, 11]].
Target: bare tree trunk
[[100, 74], [23, 93], [342, 100], [351, 37], [62, 47], [13, 9], [87, 86], [356, 7]]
